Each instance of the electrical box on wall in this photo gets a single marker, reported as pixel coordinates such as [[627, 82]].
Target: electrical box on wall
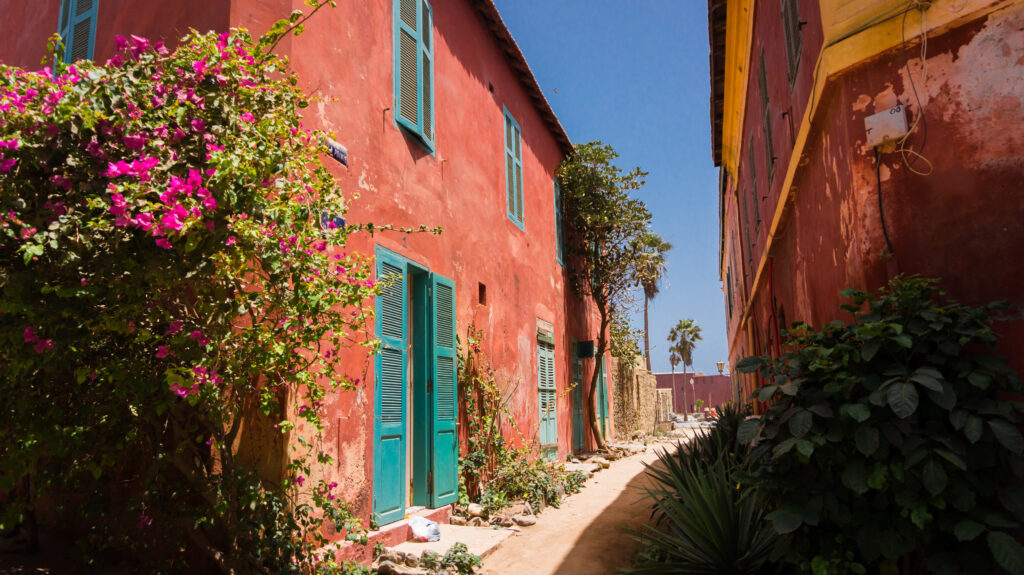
[[886, 127]]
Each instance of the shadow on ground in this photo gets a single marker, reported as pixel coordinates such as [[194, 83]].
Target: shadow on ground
[[605, 545]]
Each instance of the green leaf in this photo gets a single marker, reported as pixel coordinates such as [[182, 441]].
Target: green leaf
[[749, 364], [869, 350], [1008, 553], [801, 423], [953, 458], [973, 428], [979, 379], [1008, 435], [902, 399], [866, 438], [855, 477], [748, 430], [784, 447], [786, 519], [925, 376], [805, 447], [934, 478], [821, 410], [903, 340], [856, 411], [967, 530]]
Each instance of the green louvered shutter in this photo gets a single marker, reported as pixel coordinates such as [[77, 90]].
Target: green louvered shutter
[[407, 65], [578, 432], [389, 407], [559, 230], [445, 446], [414, 68], [547, 398], [602, 399], [513, 169], [427, 87], [78, 28]]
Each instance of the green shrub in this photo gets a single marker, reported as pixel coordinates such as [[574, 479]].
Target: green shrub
[[887, 441]]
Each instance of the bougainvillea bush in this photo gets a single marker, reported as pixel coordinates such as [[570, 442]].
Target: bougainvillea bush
[[168, 296]]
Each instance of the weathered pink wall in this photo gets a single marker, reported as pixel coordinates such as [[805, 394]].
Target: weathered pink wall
[[961, 223], [713, 390], [344, 59]]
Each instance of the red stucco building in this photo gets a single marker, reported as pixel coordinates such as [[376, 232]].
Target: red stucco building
[[712, 390], [444, 125], [803, 195]]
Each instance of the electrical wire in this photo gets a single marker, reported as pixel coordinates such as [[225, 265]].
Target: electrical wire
[[881, 208], [909, 155]]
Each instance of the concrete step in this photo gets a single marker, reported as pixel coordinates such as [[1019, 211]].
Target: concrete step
[[480, 541]]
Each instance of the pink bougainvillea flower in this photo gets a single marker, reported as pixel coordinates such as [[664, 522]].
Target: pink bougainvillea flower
[[7, 165], [9, 144], [173, 327], [162, 351], [160, 48], [174, 219], [144, 521], [199, 67], [30, 335], [198, 125], [210, 204], [115, 61], [182, 392], [119, 206], [164, 243], [43, 345], [143, 221], [27, 233], [247, 117], [300, 480], [135, 141], [200, 338], [120, 42], [139, 45], [230, 241]]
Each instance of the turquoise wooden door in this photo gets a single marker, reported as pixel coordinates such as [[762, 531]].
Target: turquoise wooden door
[[389, 451], [547, 399], [445, 444], [578, 432], [602, 399]]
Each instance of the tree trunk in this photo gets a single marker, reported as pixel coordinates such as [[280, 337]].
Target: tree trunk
[[602, 344], [686, 402], [647, 339]]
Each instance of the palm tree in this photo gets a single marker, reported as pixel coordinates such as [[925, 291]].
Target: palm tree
[[684, 337], [651, 272], [674, 359]]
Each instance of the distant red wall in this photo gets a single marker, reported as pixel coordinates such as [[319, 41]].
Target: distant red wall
[[714, 390]]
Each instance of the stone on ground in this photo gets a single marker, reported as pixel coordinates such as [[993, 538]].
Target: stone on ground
[[478, 541]]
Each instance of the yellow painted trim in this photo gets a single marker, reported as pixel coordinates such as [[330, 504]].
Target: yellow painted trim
[[839, 56], [739, 30]]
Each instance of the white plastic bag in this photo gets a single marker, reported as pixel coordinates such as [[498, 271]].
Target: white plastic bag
[[424, 529]]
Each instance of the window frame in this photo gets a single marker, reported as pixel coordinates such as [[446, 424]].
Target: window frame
[[794, 38], [517, 194]]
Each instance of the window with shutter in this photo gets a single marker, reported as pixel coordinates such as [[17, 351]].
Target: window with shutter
[[766, 119], [559, 230], [547, 397], [753, 186], [513, 170], [414, 69], [77, 28], [794, 39]]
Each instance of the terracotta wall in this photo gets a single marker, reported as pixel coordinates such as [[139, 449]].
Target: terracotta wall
[[714, 390]]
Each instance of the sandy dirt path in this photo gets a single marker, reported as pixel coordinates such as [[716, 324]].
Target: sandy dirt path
[[587, 534]]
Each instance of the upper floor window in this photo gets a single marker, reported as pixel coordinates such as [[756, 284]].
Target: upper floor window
[[791, 27], [513, 170], [559, 226], [766, 118], [414, 69], [78, 28]]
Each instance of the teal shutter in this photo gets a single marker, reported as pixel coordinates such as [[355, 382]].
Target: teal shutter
[[389, 405], [602, 398], [578, 433], [559, 230], [547, 398], [513, 170], [445, 441], [78, 28], [414, 68]]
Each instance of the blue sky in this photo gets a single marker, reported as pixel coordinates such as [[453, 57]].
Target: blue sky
[[635, 75]]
